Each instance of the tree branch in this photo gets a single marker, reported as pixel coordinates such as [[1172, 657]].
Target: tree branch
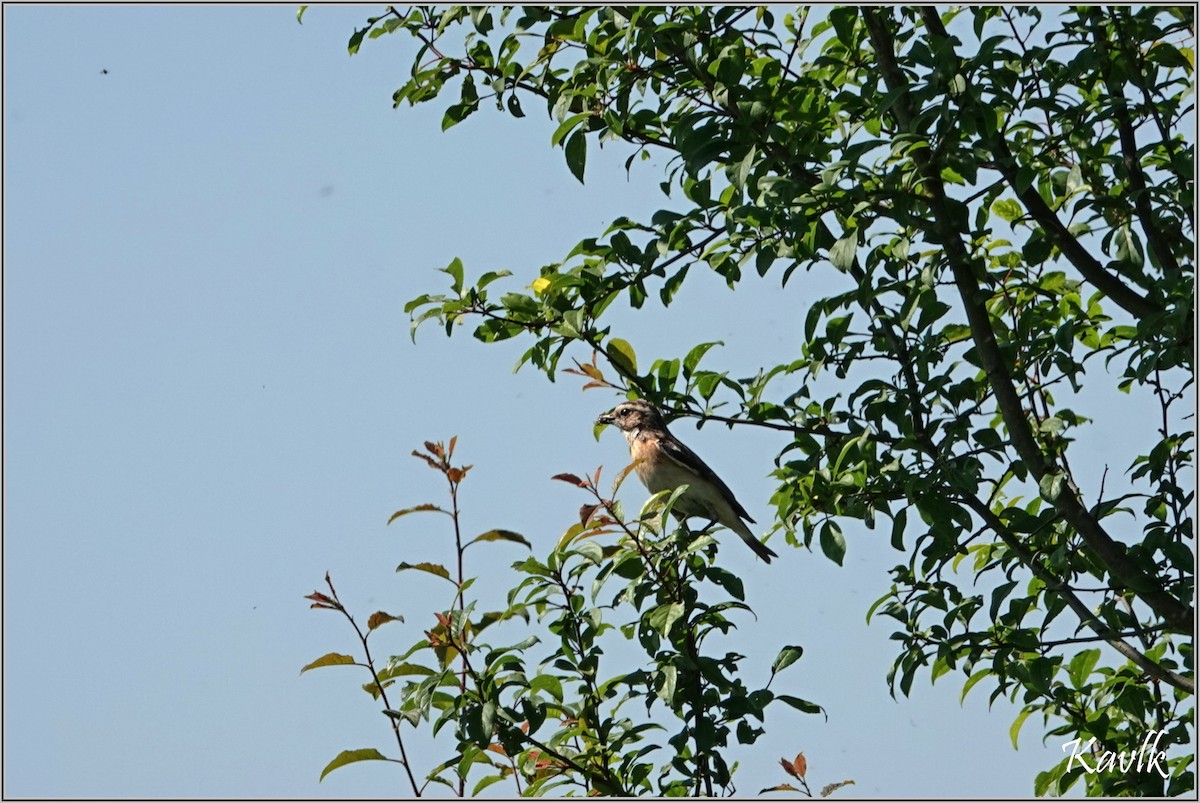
[[1056, 584], [1177, 615], [1129, 149], [1088, 266]]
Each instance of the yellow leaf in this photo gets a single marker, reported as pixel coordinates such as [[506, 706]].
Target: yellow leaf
[[329, 659], [539, 285], [833, 787], [432, 568]]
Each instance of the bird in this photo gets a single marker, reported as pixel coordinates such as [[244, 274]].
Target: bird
[[663, 463]]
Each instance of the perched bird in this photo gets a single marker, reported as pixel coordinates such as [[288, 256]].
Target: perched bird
[[663, 463]]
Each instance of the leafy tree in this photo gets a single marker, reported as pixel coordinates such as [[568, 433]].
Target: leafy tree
[[562, 722], [1007, 197]]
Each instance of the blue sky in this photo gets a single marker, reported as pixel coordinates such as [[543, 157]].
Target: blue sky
[[211, 397]]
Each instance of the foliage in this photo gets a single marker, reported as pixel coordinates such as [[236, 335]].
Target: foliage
[[1006, 195], [560, 722]]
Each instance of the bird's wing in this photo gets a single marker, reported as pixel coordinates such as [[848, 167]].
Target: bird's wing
[[685, 457]]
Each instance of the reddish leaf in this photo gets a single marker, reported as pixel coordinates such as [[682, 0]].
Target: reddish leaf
[[571, 478], [450, 451], [801, 765], [596, 478], [322, 601], [623, 473], [787, 767], [585, 513], [434, 448], [442, 619], [432, 463], [381, 618], [455, 474]]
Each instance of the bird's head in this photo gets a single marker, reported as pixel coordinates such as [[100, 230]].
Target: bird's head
[[633, 415]]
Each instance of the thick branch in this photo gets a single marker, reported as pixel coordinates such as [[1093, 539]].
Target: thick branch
[[1088, 266], [1056, 584], [1129, 150], [1176, 614]]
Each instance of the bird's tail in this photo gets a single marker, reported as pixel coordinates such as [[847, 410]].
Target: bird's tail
[[760, 549]]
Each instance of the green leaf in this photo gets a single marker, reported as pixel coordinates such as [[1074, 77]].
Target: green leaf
[[999, 594], [1007, 208], [350, 756], [455, 269], [833, 543], [577, 154], [501, 535], [400, 669], [488, 718], [329, 659], [622, 356], [300, 14], [429, 568], [800, 705], [728, 581], [662, 617], [355, 42], [1016, 726], [743, 168], [664, 683], [696, 354], [485, 782], [844, 21], [1081, 667], [787, 656], [567, 126], [843, 251], [875, 605], [1051, 485], [548, 684], [1129, 247], [971, 683]]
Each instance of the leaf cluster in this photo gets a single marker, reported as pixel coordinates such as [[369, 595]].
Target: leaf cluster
[[1001, 200]]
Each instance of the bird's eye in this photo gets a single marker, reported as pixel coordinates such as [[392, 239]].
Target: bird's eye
[[623, 412]]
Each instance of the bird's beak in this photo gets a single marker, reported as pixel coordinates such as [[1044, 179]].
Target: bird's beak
[[605, 418]]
